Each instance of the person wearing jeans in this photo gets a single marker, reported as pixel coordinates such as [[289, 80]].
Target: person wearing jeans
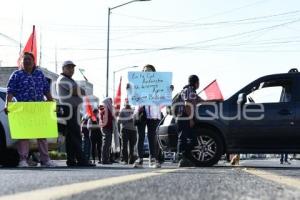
[[185, 121], [106, 122], [284, 159], [86, 138], [151, 121], [28, 84], [96, 135]]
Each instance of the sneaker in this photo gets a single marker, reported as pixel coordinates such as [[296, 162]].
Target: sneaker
[[138, 163], [23, 163], [106, 163], [154, 165], [49, 163], [281, 162], [287, 163], [124, 163], [71, 164], [86, 164], [184, 162], [32, 163]]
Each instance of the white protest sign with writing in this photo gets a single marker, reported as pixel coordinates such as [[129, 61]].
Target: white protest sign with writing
[[150, 88]]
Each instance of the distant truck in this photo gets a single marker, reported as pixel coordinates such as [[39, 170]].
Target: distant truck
[[261, 118]]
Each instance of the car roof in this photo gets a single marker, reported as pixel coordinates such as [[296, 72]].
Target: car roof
[[281, 75], [2, 89]]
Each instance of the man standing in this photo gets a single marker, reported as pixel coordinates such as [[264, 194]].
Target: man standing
[[71, 94], [185, 120], [128, 133]]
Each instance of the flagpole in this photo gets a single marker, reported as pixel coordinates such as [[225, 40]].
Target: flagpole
[[207, 86], [21, 33], [40, 60], [56, 58], [33, 32]]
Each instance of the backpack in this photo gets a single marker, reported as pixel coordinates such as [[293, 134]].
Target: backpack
[[140, 116], [176, 109]]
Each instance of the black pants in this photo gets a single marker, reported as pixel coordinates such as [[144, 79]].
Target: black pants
[[96, 140], [106, 147], [74, 141], [152, 138], [185, 137], [128, 137], [284, 157]]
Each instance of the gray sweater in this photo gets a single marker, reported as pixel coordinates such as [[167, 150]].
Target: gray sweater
[[126, 119]]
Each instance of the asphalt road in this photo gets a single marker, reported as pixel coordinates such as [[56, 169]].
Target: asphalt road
[[255, 179]]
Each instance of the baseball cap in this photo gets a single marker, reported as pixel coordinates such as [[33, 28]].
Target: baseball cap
[[68, 62]]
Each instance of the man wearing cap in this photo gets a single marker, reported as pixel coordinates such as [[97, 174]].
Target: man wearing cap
[[190, 99], [71, 94]]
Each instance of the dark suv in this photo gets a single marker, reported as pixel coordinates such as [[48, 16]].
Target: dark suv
[[262, 117]]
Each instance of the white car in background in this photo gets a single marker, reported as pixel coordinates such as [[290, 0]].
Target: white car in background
[[8, 153]]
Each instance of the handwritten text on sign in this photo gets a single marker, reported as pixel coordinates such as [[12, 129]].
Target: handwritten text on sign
[[150, 88], [31, 120]]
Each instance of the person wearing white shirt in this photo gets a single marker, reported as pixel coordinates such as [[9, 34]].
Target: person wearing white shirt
[[151, 121]]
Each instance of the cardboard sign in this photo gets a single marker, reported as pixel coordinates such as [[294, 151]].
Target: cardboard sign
[[32, 120], [150, 88]]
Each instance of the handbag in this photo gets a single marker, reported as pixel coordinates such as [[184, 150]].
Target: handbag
[[140, 116]]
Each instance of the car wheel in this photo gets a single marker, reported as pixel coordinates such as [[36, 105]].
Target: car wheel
[[208, 148], [8, 157], [11, 158]]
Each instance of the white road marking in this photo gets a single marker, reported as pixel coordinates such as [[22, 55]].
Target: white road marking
[[58, 192], [292, 182]]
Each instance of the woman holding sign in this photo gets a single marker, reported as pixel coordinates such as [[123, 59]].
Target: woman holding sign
[[28, 84], [151, 118]]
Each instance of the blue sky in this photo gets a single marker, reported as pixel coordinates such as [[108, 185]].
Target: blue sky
[[232, 41]]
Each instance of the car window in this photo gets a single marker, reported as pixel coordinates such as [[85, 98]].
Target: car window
[[3, 95], [271, 92]]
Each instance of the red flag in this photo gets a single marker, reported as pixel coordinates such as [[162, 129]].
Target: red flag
[[117, 100], [213, 92], [30, 47], [89, 109]]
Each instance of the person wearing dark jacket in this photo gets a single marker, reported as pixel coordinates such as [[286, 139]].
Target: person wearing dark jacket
[[95, 135], [106, 123], [128, 133], [86, 138], [71, 94], [185, 126]]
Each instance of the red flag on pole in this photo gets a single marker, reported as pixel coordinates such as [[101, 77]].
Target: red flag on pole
[[117, 100], [89, 109], [213, 92], [30, 47]]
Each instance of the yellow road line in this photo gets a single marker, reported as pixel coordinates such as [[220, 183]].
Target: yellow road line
[[77, 188], [292, 182]]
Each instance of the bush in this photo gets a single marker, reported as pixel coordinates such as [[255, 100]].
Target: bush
[[55, 155]]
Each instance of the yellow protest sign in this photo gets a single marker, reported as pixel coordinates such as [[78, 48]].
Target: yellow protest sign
[[32, 120]]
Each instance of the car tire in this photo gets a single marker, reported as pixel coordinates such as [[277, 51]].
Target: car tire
[[207, 149], [8, 157]]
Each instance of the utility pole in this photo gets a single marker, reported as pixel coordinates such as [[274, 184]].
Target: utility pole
[[55, 59]]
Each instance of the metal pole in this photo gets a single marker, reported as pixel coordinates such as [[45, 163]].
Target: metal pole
[[56, 60], [40, 60], [114, 84], [107, 57]]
